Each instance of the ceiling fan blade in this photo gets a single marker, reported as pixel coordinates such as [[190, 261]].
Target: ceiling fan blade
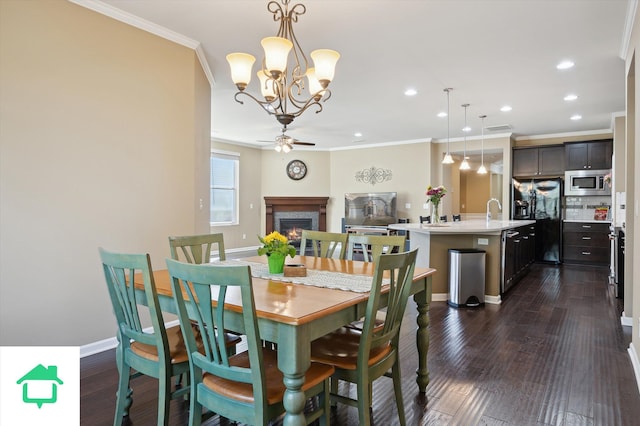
[[296, 142]]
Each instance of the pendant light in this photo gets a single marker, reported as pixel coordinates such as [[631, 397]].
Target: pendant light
[[448, 159], [482, 170], [465, 164]]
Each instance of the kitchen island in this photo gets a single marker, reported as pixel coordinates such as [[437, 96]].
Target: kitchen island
[[435, 240]]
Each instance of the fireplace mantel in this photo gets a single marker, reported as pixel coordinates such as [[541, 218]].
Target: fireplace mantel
[[296, 204]]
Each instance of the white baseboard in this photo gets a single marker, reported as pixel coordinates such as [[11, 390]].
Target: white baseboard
[[493, 300], [439, 297], [635, 362], [625, 320], [111, 342]]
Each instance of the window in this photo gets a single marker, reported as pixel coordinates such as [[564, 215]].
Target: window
[[224, 187]]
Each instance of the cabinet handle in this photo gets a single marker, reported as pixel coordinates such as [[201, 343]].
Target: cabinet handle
[[586, 226], [586, 253], [586, 238]]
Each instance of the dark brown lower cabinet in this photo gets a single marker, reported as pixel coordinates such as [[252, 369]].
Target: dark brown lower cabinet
[[586, 243]]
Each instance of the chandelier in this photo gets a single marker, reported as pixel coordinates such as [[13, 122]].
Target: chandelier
[[282, 85]]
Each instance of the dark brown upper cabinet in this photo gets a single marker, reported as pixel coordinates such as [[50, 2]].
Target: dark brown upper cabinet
[[543, 161], [588, 155]]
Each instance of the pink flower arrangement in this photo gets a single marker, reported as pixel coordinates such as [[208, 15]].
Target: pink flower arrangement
[[435, 194]]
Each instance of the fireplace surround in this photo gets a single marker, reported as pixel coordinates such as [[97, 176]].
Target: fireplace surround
[[278, 208]]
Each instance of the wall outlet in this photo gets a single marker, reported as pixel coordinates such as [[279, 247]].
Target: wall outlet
[[425, 206], [407, 205], [250, 205], [244, 236], [483, 241]]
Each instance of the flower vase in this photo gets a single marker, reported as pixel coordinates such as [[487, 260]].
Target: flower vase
[[276, 263], [435, 214]]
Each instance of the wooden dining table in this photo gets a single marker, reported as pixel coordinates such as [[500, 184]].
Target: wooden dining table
[[293, 315]]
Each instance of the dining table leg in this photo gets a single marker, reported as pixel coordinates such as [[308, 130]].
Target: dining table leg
[[422, 299], [294, 353]]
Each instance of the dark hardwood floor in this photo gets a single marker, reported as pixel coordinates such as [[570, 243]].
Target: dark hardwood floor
[[553, 353]]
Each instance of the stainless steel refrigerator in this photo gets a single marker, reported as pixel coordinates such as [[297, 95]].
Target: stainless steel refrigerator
[[541, 199]]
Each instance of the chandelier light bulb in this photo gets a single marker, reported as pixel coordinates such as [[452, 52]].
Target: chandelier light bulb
[[325, 64], [241, 65]]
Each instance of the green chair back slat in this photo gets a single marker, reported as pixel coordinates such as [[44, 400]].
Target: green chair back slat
[[196, 248], [324, 244], [372, 246]]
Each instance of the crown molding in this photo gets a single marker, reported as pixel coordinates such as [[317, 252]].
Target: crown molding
[[632, 7], [150, 27]]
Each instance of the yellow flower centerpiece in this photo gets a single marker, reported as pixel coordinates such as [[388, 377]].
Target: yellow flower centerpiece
[[276, 246]]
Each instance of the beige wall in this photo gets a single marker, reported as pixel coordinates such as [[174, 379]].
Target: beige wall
[[101, 127], [409, 166], [449, 175]]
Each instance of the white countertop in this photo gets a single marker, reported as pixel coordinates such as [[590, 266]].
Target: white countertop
[[472, 226], [608, 222]]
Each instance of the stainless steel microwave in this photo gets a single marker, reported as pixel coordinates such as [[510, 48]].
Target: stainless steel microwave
[[586, 182]]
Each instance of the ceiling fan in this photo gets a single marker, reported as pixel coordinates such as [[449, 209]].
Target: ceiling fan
[[285, 142]]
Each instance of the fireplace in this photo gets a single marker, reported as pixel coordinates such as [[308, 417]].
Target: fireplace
[[296, 208], [292, 229]]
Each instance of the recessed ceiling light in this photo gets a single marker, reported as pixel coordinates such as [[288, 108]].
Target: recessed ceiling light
[[505, 108], [466, 129], [442, 114], [571, 97], [565, 65], [576, 117], [357, 134], [410, 92]]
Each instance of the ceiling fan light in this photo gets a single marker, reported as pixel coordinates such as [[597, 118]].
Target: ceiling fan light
[[278, 147], [325, 61], [241, 65], [266, 86], [482, 170], [276, 53], [286, 148]]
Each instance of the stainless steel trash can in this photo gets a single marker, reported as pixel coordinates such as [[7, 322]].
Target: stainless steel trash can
[[466, 277]]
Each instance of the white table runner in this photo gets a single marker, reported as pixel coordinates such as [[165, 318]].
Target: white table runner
[[327, 279]]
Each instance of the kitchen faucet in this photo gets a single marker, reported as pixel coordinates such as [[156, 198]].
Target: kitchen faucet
[[489, 211]]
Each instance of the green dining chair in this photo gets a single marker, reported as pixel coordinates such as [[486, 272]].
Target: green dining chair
[[160, 353], [245, 387], [324, 244], [196, 248], [372, 246], [362, 356]]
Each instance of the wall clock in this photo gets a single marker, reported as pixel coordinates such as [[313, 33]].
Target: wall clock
[[296, 169]]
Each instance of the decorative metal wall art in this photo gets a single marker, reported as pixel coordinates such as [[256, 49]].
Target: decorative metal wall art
[[373, 175]]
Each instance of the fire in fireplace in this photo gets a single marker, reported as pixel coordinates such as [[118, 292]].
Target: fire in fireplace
[[292, 229]]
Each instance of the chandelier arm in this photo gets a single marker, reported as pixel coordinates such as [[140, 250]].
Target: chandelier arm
[[264, 104]]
